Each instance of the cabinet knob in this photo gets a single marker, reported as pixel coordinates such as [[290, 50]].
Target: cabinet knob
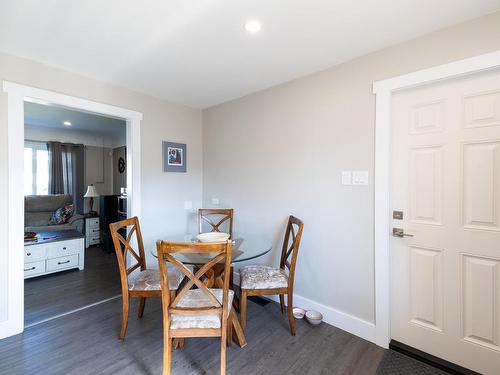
[[28, 254]]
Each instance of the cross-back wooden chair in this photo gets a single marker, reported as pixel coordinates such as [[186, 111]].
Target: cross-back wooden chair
[[136, 280], [264, 280], [204, 215], [202, 312]]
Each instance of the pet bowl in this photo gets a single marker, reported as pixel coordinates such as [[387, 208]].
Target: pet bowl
[[298, 313], [314, 317]]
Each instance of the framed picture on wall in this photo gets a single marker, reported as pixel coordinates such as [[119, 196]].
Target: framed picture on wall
[[174, 157]]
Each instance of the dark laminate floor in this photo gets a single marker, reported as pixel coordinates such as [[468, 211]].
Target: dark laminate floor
[[50, 295], [86, 342]]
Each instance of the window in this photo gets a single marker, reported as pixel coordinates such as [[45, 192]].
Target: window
[[36, 168]]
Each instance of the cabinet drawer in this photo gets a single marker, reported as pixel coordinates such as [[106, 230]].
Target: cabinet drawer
[[62, 262], [92, 231], [94, 240], [93, 223], [63, 248], [34, 268], [34, 253]]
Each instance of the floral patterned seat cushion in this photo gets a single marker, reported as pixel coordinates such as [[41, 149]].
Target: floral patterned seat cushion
[[262, 277], [150, 279], [199, 298]]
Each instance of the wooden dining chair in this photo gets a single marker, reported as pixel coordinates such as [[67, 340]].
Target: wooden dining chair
[[201, 312], [223, 214], [136, 280], [264, 280]]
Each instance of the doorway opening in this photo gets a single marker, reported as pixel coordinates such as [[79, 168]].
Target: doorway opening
[[74, 186], [18, 97]]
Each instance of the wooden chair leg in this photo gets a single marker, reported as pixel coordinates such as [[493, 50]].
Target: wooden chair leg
[[229, 331], [236, 300], [167, 355], [142, 304], [125, 308], [282, 303], [243, 308], [289, 309], [223, 344]]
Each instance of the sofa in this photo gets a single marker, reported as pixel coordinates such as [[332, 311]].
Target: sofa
[[38, 210]]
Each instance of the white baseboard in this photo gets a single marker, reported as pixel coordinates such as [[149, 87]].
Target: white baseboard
[[334, 317]]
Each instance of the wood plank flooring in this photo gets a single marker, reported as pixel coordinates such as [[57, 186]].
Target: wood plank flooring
[[86, 342], [58, 293]]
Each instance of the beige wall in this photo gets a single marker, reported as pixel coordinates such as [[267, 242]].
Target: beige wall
[[38, 133], [163, 194], [282, 151]]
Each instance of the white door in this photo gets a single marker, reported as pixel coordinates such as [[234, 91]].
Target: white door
[[445, 280]]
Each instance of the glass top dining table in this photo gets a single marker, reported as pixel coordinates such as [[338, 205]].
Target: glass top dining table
[[245, 247]]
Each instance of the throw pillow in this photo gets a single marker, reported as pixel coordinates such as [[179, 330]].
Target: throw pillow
[[62, 215]]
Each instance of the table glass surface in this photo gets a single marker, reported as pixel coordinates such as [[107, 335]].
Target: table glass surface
[[245, 247]]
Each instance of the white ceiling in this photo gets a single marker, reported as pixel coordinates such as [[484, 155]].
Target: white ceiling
[[197, 52], [53, 117]]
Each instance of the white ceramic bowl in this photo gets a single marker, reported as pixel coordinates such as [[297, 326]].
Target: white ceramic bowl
[[314, 317], [298, 313], [213, 237]]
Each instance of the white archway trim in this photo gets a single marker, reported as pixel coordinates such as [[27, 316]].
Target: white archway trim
[[17, 94], [383, 91]]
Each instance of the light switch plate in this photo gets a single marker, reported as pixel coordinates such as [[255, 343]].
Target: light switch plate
[[188, 205], [360, 178], [215, 201], [346, 178]]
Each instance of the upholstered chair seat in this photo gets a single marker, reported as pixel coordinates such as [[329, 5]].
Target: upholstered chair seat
[[262, 277], [150, 279], [198, 298]]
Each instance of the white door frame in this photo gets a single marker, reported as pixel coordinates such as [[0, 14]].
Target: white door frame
[[383, 221], [17, 94]]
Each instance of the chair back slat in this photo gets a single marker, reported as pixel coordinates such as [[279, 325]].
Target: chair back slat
[[123, 247], [195, 310], [194, 279], [291, 243], [207, 214], [133, 268], [222, 252]]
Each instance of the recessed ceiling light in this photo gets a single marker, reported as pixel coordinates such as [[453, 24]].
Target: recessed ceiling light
[[253, 26], [67, 123]]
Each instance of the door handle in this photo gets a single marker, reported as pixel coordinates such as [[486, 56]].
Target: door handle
[[400, 232]]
